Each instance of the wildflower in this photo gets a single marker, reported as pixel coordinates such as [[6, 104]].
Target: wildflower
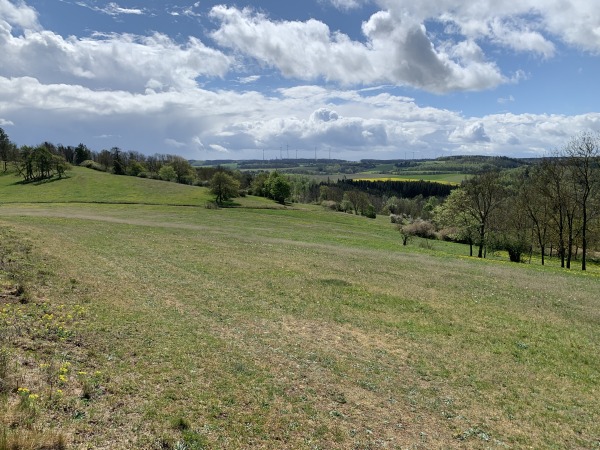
[[33, 397], [81, 372], [62, 378], [23, 391]]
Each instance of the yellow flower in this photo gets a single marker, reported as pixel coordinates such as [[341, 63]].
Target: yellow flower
[[33, 396], [62, 378], [81, 372], [23, 391]]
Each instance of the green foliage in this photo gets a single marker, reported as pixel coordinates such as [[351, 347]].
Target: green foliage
[[7, 149], [224, 187], [277, 187], [39, 163], [89, 164], [119, 167], [167, 173]]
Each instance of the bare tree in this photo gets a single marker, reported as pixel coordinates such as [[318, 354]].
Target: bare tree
[[583, 159], [484, 195]]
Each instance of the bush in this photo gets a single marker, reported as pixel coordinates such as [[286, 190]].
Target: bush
[[329, 204], [419, 227], [89, 164], [370, 212]]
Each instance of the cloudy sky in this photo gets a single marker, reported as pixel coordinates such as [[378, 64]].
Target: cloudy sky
[[348, 78]]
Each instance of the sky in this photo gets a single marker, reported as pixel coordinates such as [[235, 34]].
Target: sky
[[347, 79]]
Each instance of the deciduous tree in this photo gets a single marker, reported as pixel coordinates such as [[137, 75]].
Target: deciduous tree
[[224, 187]]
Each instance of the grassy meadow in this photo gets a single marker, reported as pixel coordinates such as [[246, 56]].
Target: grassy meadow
[[131, 316]]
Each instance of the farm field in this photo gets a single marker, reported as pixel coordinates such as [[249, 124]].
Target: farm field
[[176, 326], [449, 178]]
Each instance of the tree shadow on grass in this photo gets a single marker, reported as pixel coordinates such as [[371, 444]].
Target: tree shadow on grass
[[38, 182]]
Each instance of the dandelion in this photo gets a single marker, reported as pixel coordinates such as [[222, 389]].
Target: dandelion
[[23, 391]]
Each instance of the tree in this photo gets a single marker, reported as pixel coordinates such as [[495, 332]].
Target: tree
[[7, 148], [119, 166], [167, 173], [358, 199], [484, 194], [183, 169], [278, 187], [40, 163], [82, 153], [583, 159], [453, 214], [224, 187], [537, 205]]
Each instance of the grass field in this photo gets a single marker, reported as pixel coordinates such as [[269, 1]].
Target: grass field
[[165, 325]]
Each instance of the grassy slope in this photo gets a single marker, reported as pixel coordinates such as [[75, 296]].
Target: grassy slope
[[251, 328]]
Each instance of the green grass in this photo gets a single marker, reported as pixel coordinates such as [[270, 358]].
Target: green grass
[[287, 328]]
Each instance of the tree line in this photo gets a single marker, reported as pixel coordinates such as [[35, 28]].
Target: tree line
[[552, 205]]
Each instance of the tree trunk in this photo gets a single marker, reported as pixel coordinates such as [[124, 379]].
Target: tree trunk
[[583, 238], [481, 238]]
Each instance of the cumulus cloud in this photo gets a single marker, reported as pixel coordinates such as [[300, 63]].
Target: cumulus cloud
[[5, 123], [19, 14], [122, 61], [396, 52], [360, 126], [471, 133], [324, 115]]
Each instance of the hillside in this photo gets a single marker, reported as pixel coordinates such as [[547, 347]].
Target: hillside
[[171, 326]]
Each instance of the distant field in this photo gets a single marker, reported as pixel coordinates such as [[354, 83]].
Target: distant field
[[453, 179], [244, 328]]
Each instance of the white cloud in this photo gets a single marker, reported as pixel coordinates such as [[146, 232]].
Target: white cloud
[[218, 148], [121, 61], [353, 124], [504, 100], [19, 15], [249, 79], [345, 5], [5, 123], [471, 133], [112, 9], [396, 52]]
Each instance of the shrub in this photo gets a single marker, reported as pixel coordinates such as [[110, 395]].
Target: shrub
[[370, 212], [329, 204], [89, 164], [420, 228]]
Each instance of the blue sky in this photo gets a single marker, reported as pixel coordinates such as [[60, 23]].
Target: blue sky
[[351, 78]]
